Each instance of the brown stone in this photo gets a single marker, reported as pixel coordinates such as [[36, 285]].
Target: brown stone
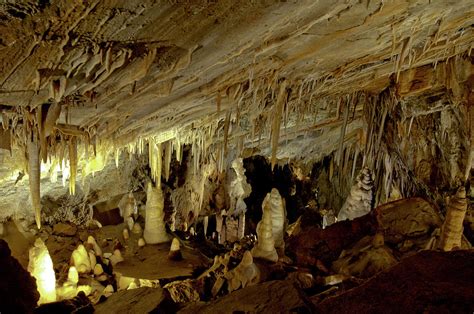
[[314, 244], [269, 297], [65, 229], [427, 282]]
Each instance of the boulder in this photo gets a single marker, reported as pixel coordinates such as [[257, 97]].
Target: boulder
[[313, 244], [427, 282], [269, 297], [18, 292], [141, 300]]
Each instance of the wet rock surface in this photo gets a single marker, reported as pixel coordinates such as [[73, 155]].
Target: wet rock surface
[[18, 292], [427, 282], [268, 297]]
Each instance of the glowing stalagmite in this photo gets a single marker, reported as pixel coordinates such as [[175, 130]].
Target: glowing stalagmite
[[41, 267], [155, 231], [452, 230]]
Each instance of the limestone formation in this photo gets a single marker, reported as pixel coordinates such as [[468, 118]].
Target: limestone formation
[[80, 259], [452, 229], [359, 201], [243, 275], [155, 231], [128, 207], [265, 247], [141, 242], [137, 228], [125, 234], [92, 243], [368, 257], [238, 189], [116, 258], [41, 267], [175, 251], [276, 205]]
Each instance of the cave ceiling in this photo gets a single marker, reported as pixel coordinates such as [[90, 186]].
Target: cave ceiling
[[122, 70]]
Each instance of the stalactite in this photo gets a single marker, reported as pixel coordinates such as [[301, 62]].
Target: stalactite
[[52, 116], [34, 175], [276, 122], [72, 165], [168, 154], [155, 161], [452, 229]]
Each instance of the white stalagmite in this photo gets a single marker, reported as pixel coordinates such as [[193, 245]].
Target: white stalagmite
[[92, 243], [265, 246], [155, 231], [80, 259], [116, 258], [275, 203], [125, 234], [175, 251], [206, 224], [141, 242], [239, 189], [41, 267], [130, 223], [359, 201]]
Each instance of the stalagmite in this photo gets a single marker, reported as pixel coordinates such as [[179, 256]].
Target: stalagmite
[[130, 223], [92, 243], [155, 231], [34, 175], [41, 268], [116, 257], [206, 224], [92, 259], [359, 201], [243, 275], [141, 242], [276, 206], [452, 229], [175, 251], [239, 189], [125, 234], [137, 229], [80, 259], [98, 270], [73, 275], [265, 246]]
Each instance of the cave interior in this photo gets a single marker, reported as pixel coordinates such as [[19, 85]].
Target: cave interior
[[225, 156]]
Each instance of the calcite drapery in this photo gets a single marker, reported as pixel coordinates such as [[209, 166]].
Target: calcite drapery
[[155, 231]]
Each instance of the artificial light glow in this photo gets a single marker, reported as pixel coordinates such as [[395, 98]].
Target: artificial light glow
[[41, 268]]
